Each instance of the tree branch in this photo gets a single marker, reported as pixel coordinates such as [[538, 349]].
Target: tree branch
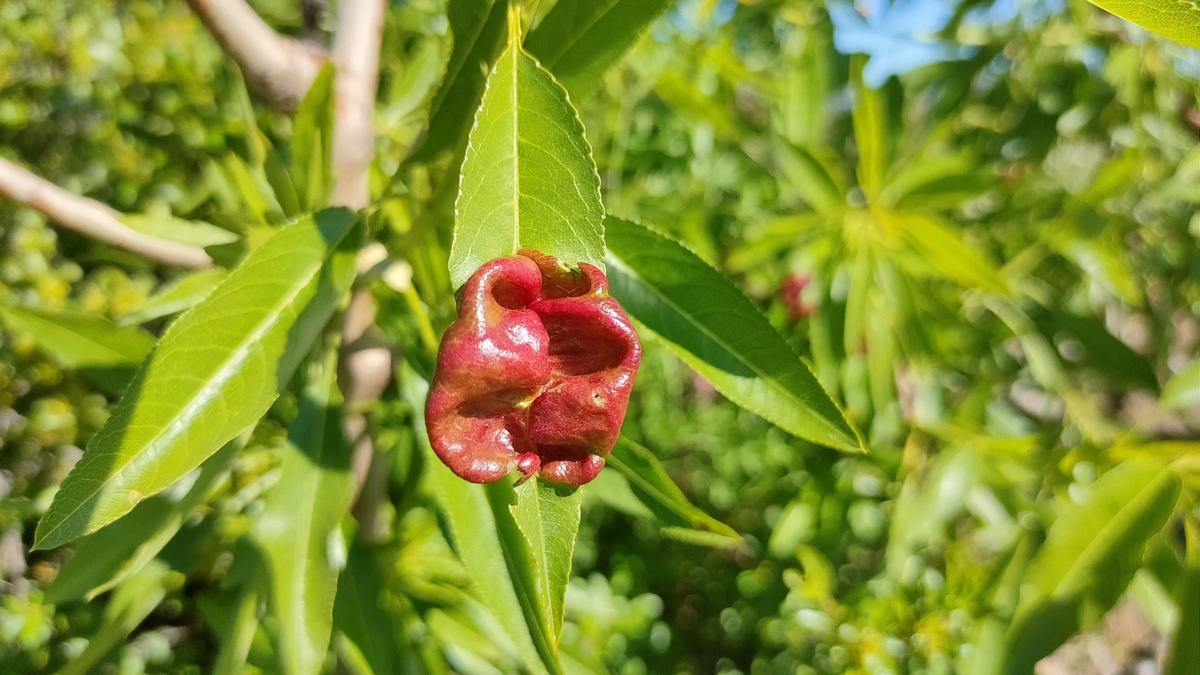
[[278, 67], [91, 218], [356, 56]]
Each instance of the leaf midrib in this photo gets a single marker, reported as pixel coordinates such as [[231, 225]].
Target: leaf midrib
[[771, 382], [223, 372]]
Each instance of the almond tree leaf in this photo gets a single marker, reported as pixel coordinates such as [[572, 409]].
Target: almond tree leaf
[[298, 531], [940, 247], [1185, 649], [484, 534], [528, 179], [1183, 389], [478, 30], [548, 515], [166, 226], [179, 295], [79, 341], [1090, 554], [312, 145], [578, 40], [129, 606], [651, 494], [359, 615], [215, 372], [113, 553], [715, 329], [1173, 19]]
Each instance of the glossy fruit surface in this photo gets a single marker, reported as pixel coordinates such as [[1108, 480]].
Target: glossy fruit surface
[[534, 374]]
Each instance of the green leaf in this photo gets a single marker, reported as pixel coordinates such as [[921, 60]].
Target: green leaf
[[638, 484], [110, 555], [1183, 389], [548, 516], [312, 143], [1185, 649], [236, 633], [163, 225], [1091, 552], [129, 606], [528, 179], [940, 247], [298, 531], [478, 30], [810, 178], [710, 324], [79, 341], [1177, 20], [177, 296], [870, 131], [215, 372], [484, 534], [580, 39], [359, 614]]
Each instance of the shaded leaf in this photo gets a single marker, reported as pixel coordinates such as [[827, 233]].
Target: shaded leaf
[[359, 614], [478, 30], [129, 606], [580, 39], [486, 538], [1090, 554], [528, 179], [177, 296], [1185, 649], [298, 531], [215, 372], [710, 324]]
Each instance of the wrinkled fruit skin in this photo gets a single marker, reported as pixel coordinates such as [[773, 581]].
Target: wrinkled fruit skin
[[534, 375]]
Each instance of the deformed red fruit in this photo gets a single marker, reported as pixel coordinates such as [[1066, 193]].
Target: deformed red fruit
[[534, 375]]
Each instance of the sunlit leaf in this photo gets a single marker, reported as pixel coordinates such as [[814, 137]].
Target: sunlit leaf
[[637, 484], [1183, 389], [1172, 19], [312, 144], [528, 180], [215, 372], [79, 341], [711, 325], [1090, 554], [177, 296]]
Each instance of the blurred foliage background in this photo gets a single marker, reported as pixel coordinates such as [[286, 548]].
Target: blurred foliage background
[[978, 220]]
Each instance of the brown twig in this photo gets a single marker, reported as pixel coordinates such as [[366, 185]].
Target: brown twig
[[279, 68], [92, 218]]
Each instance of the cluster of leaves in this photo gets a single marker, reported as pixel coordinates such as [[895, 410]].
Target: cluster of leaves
[[1029, 425]]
